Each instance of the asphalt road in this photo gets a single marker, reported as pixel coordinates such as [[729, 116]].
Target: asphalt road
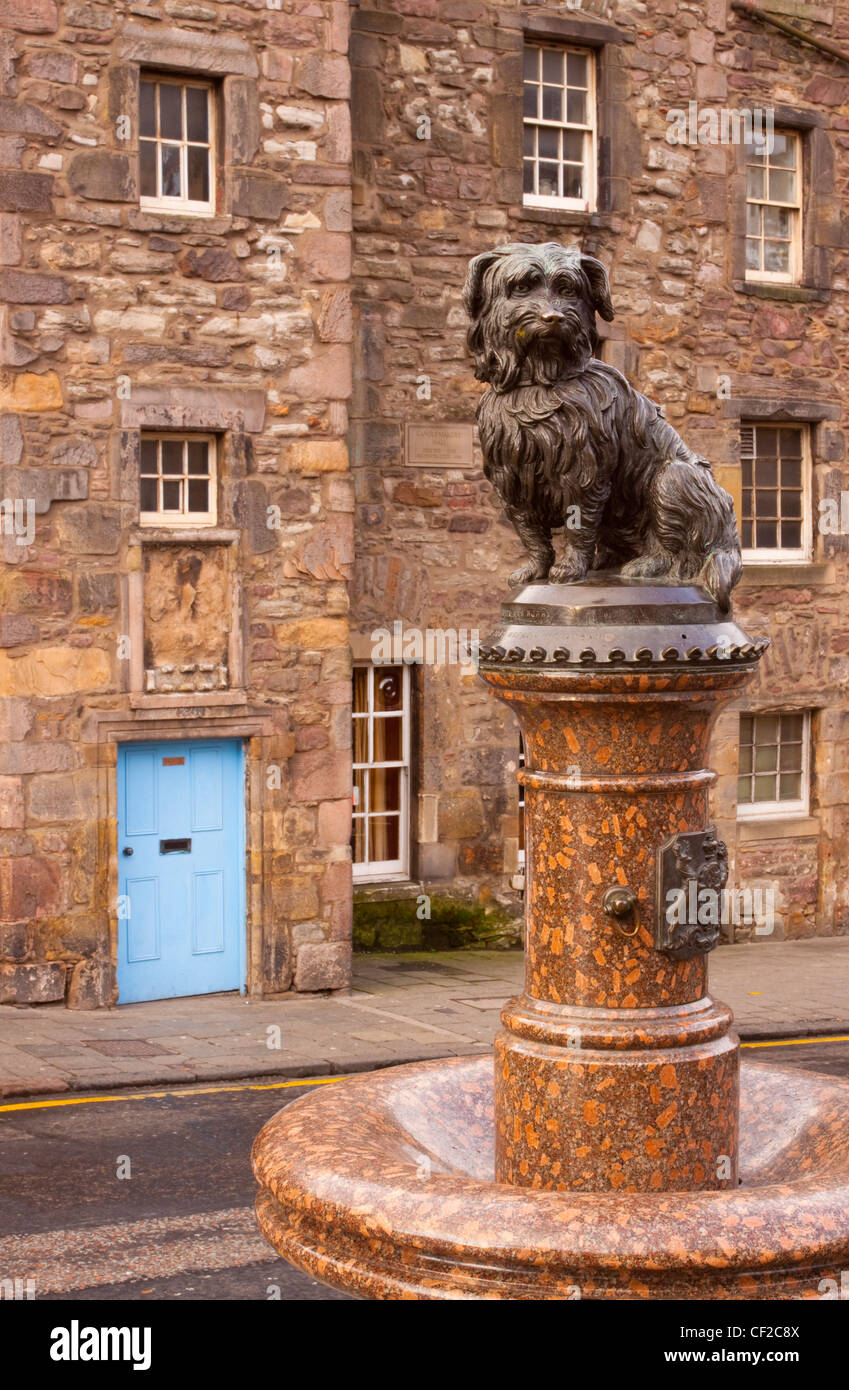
[[151, 1198]]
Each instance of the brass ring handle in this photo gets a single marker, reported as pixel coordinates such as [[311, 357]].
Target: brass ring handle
[[619, 903]]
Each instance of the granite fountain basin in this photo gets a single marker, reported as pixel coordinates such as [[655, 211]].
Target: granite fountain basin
[[383, 1185]]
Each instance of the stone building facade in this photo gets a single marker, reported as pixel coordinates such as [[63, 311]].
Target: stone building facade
[[156, 644], [438, 177], [225, 467]]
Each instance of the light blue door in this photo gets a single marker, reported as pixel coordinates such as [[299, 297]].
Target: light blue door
[[181, 915]]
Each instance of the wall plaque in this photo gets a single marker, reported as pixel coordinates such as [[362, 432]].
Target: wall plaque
[[439, 446]]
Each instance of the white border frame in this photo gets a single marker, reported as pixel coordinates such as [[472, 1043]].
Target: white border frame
[[383, 869], [181, 205], [174, 521], [793, 276], [781, 810], [544, 200], [782, 555]]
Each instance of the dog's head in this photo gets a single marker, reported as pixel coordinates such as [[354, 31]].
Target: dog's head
[[532, 311]]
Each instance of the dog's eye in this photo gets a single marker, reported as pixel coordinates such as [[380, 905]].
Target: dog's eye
[[524, 287]]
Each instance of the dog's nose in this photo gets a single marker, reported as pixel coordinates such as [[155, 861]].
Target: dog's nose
[[552, 316]]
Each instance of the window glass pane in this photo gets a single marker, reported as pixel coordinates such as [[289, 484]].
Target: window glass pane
[[753, 219], [754, 182], [753, 254], [791, 505], [791, 472], [528, 177], [767, 504], [552, 103], [147, 108], [170, 111], [745, 764], [197, 113], [747, 725], [576, 69], [170, 161], [149, 449], [530, 101], [767, 441], [767, 534], [358, 840], [360, 790], [147, 495], [360, 739], [549, 143], [172, 456], [776, 222], [746, 535], [384, 838], [387, 740], [529, 140], [765, 788], [548, 184], [388, 687], [790, 786], [790, 757], [573, 146], [766, 758], [783, 150], [198, 162], [576, 107], [791, 728], [360, 693], [552, 66], [171, 493], [198, 451], [767, 728], [782, 186], [791, 443], [766, 472], [384, 789], [744, 789], [532, 64], [777, 256], [791, 535], [198, 495], [573, 181], [147, 168]]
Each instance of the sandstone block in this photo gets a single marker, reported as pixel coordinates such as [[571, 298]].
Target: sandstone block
[[30, 16], [320, 776], [262, 196], [241, 126], [31, 391], [21, 191], [326, 255], [210, 263], [10, 239], [11, 803], [30, 887], [62, 797], [16, 628], [22, 118], [326, 376], [325, 75], [92, 984], [323, 966], [314, 634], [91, 530], [460, 815], [186, 49], [54, 671], [103, 175], [334, 822], [32, 984], [317, 456]]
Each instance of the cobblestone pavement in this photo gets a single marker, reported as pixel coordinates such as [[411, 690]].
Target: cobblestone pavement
[[401, 1008]]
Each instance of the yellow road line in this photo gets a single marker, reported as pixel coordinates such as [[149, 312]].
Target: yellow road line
[[319, 1081], [798, 1042], [158, 1095]]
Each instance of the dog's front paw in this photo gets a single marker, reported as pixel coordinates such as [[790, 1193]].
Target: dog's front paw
[[650, 566], [570, 569], [528, 574]]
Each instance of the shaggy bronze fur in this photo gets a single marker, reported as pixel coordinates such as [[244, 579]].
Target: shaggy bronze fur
[[569, 444]]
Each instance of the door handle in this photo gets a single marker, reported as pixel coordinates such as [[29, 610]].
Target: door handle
[[128, 851]]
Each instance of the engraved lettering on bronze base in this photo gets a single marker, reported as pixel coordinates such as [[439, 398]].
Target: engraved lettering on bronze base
[[692, 870]]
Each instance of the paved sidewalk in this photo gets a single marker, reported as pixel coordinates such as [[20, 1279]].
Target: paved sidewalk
[[402, 1008]]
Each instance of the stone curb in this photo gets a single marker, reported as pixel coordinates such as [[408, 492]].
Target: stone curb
[[321, 1067]]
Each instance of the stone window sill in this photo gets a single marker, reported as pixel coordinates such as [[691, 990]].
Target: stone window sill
[[385, 889], [780, 575], [794, 828], [189, 699], [794, 294], [185, 535], [565, 217]]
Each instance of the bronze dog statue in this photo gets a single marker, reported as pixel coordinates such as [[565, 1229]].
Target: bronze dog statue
[[567, 441]]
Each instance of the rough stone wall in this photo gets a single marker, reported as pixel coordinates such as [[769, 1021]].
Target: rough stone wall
[[431, 549], [113, 318]]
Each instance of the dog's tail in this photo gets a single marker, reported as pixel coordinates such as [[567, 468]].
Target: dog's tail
[[694, 521]]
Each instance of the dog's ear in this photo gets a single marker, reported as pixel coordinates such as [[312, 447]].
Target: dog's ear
[[473, 296], [599, 286]]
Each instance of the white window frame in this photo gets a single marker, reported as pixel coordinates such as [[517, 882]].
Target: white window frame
[[793, 276], [590, 131], [183, 520], [782, 810], [159, 203], [781, 555], [383, 869]]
